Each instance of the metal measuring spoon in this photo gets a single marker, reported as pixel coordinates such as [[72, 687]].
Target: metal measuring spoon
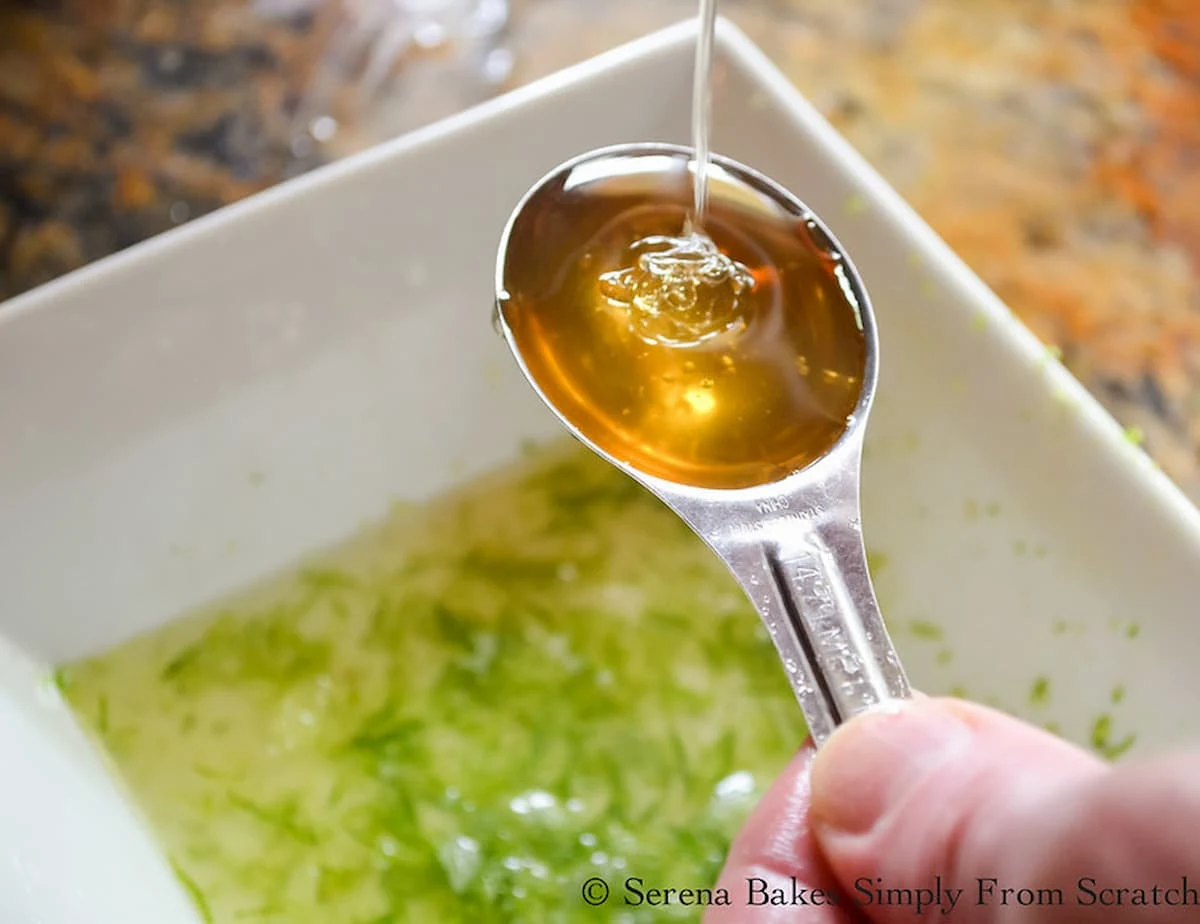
[[794, 544]]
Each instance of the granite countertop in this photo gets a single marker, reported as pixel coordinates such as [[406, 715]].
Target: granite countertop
[[1055, 145]]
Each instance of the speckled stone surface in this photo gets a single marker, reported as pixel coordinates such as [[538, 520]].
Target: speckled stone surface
[[1055, 145]]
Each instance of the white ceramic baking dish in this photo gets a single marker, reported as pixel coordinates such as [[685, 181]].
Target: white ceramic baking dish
[[205, 408]]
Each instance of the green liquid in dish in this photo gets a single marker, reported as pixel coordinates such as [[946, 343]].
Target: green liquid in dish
[[462, 715]]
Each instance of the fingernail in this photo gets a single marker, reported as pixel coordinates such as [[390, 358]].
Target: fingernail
[[871, 763]]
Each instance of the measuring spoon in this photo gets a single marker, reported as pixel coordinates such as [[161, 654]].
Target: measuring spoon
[[794, 543]]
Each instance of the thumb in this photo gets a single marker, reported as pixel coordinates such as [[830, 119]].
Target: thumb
[[943, 788]]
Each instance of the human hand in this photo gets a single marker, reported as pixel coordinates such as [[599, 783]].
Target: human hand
[[943, 788]]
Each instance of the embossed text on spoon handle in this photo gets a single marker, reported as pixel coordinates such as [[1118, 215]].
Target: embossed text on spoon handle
[[805, 570]]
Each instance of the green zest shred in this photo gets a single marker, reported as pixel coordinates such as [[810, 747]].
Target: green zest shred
[[1102, 739]]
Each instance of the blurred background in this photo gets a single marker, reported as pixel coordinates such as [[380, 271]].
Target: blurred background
[[1054, 143]]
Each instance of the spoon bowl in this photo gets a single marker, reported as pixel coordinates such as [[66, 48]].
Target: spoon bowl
[[787, 524]]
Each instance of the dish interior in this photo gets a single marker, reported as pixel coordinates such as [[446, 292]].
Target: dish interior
[[466, 712]]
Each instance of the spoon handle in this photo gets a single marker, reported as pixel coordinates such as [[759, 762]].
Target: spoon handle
[[814, 595], [823, 593], [804, 567]]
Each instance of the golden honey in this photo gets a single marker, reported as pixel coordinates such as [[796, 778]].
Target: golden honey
[[723, 359]]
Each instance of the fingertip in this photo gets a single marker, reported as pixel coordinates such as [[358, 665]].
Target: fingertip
[[872, 761], [869, 762], [935, 785]]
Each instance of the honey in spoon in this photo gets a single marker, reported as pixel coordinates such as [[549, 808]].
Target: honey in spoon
[[721, 357]]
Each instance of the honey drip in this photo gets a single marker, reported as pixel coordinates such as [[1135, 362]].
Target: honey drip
[[681, 291]]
